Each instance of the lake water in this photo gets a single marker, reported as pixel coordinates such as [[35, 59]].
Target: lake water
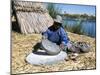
[[88, 26]]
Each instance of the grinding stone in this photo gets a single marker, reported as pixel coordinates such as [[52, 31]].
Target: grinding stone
[[50, 47]]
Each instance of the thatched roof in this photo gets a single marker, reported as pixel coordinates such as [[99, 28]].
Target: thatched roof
[[29, 6], [32, 17]]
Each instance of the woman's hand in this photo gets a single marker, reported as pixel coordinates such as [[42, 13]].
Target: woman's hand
[[69, 45], [62, 45]]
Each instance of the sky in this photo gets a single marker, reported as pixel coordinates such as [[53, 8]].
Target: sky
[[77, 9]]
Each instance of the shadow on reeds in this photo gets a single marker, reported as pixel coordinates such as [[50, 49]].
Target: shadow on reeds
[[14, 24], [15, 27], [38, 50]]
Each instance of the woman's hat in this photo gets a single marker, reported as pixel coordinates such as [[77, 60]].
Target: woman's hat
[[58, 19]]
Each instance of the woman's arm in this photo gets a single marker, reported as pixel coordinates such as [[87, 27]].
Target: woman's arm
[[64, 36], [45, 34]]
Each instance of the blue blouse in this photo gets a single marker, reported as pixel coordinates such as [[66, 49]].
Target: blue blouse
[[59, 36]]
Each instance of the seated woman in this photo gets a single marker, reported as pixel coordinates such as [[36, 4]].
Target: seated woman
[[56, 34]]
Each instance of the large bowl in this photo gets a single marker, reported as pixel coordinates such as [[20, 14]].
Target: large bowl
[[50, 47]]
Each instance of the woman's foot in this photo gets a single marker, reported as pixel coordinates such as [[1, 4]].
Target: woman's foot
[[73, 56]]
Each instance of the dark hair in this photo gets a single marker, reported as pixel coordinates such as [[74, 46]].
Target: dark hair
[[57, 23]]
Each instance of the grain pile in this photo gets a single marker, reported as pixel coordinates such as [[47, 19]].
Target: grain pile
[[32, 17], [22, 46]]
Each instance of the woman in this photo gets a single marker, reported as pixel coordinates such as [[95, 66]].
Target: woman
[[57, 34]]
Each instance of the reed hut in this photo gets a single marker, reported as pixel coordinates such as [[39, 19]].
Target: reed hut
[[32, 17]]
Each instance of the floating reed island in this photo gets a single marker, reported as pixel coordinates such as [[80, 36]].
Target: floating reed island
[[32, 17], [22, 45]]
